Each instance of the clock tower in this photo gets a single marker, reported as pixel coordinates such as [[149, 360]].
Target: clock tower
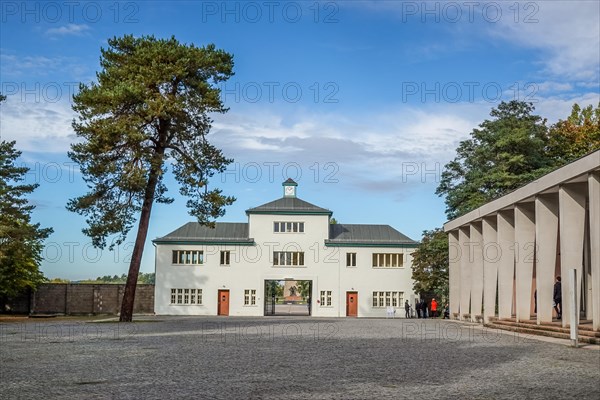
[[289, 188]]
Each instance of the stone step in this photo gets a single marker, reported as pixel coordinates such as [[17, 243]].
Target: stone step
[[586, 326], [551, 328], [547, 333]]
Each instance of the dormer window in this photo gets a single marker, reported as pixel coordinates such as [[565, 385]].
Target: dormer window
[[288, 227]]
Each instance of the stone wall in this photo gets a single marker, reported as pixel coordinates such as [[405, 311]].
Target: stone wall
[[68, 298]]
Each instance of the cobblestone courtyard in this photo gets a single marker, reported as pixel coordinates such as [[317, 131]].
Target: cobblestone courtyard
[[286, 358]]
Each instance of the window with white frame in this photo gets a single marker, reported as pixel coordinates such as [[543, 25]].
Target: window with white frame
[[288, 227], [325, 298], [288, 258], [250, 297], [350, 259], [388, 260], [225, 257], [186, 296], [388, 299], [188, 257]]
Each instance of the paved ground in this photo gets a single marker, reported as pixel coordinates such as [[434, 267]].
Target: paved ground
[[286, 358], [291, 309]]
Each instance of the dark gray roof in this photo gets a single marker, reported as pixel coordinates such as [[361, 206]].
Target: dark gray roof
[[288, 205], [367, 234], [222, 232]]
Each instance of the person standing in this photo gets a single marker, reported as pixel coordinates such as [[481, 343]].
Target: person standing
[[418, 308], [407, 309], [433, 308], [424, 308], [558, 297]]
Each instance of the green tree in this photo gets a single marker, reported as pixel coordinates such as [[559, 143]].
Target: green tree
[[430, 264], [21, 241], [303, 289], [146, 278], [149, 109], [59, 280], [501, 155], [275, 287], [575, 136]]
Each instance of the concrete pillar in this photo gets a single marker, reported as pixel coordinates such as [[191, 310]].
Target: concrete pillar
[[491, 256], [594, 213], [476, 260], [454, 272], [524, 257], [465, 271], [572, 218], [506, 262], [546, 232]]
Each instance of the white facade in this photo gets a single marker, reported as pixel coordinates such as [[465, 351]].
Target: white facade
[[251, 263]]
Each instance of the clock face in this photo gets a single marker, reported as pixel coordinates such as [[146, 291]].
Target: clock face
[[289, 190]]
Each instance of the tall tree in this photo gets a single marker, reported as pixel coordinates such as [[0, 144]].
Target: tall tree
[[430, 264], [149, 108], [304, 288], [21, 241], [501, 155], [575, 136]]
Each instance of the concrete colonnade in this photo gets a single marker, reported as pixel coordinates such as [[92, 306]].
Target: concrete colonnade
[[507, 254]]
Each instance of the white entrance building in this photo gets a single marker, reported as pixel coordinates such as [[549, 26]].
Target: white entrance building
[[351, 270]]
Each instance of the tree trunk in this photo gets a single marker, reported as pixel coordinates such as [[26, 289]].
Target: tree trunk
[[140, 241]]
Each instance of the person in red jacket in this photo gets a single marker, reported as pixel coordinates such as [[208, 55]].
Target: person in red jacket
[[433, 308]]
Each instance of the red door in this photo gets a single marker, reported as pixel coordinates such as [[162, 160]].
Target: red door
[[351, 304], [223, 307]]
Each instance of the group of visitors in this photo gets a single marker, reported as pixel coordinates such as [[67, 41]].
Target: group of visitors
[[425, 310]]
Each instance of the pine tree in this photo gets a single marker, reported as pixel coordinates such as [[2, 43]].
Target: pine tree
[[149, 110], [21, 241]]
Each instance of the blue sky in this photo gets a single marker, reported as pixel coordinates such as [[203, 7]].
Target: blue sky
[[361, 102]]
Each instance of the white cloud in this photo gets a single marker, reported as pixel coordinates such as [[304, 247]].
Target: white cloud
[[69, 29], [559, 107], [368, 148], [13, 64], [365, 147], [552, 86], [568, 32], [37, 126], [565, 35], [27, 70]]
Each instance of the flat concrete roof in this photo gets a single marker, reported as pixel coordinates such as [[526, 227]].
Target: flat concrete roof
[[573, 172]]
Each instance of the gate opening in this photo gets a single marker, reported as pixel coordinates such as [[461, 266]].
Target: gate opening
[[288, 297]]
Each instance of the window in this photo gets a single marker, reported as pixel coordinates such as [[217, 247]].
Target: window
[[188, 257], [388, 260], [250, 297], [350, 259], [286, 258], [288, 227], [325, 298], [387, 299], [225, 257], [186, 296]]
